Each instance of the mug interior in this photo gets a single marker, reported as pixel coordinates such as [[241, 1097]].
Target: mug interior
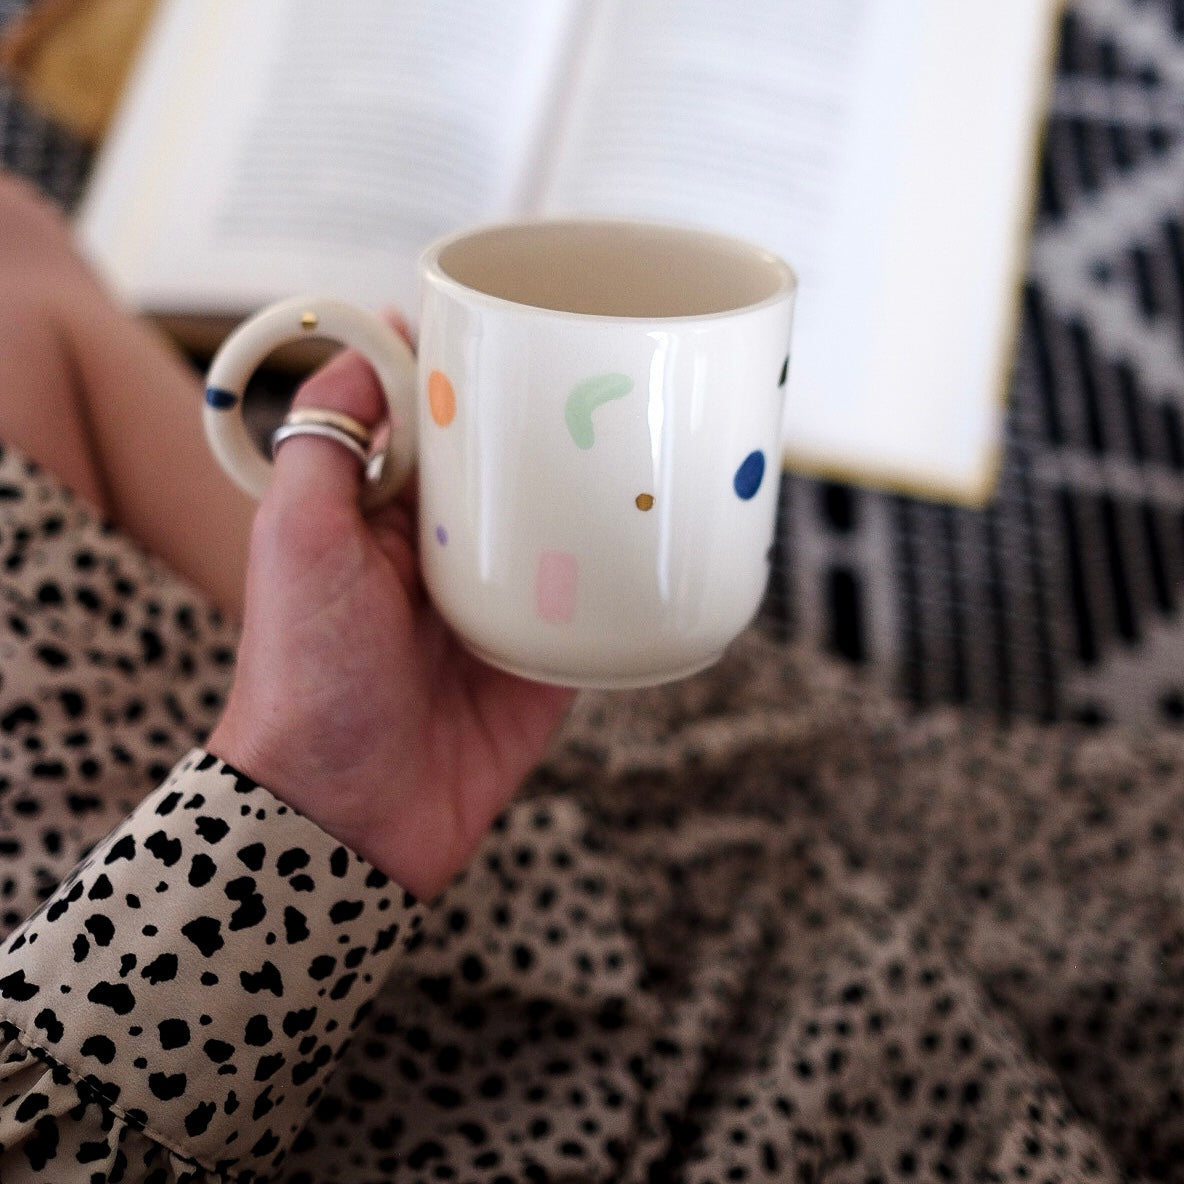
[[614, 269]]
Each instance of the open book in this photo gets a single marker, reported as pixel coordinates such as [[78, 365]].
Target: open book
[[885, 148]]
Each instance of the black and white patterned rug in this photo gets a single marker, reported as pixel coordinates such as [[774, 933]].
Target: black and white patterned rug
[[1064, 597]]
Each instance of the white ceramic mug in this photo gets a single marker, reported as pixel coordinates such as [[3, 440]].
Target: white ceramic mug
[[595, 416]]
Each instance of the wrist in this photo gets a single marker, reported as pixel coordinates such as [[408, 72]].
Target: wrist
[[345, 804], [270, 765]]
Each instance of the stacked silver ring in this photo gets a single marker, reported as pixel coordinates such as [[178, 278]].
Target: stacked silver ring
[[342, 429]]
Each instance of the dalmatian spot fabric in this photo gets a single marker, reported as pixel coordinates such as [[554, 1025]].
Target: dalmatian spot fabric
[[221, 949], [759, 925]]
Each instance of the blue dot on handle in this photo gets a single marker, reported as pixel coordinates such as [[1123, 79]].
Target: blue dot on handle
[[749, 476], [221, 400]]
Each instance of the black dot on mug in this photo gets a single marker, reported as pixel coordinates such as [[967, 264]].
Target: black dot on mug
[[644, 501], [784, 372]]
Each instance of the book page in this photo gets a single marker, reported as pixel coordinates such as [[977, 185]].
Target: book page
[[277, 146], [883, 148]]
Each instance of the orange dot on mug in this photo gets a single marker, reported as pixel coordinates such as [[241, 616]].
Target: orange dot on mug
[[644, 501], [441, 398]]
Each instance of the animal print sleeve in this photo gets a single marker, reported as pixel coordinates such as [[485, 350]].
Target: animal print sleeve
[[173, 1010]]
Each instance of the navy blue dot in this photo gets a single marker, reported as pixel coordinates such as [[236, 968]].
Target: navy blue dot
[[221, 400], [749, 476]]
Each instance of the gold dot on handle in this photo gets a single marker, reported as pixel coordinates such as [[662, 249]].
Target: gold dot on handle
[[308, 320], [645, 501]]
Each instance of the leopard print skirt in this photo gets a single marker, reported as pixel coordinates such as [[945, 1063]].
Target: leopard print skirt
[[759, 925]]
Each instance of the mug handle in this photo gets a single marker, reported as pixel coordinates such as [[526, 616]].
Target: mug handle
[[291, 320]]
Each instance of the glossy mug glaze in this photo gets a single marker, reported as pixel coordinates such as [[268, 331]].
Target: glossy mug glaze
[[595, 415]]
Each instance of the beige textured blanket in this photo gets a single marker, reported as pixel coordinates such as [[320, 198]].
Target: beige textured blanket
[[918, 948]]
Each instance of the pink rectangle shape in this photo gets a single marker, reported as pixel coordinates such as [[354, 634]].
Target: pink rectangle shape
[[556, 586]]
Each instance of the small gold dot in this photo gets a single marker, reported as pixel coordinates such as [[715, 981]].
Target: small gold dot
[[308, 320], [645, 501]]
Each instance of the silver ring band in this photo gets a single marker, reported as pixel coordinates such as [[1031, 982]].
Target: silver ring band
[[326, 431], [334, 419]]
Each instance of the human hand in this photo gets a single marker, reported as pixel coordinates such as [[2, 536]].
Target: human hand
[[352, 701]]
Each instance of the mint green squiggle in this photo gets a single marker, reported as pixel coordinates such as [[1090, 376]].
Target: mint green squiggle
[[585, 398]]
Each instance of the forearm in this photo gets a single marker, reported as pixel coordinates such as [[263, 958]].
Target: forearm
[[185, 993]]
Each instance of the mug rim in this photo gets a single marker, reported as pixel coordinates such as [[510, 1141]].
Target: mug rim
[[432, 269]]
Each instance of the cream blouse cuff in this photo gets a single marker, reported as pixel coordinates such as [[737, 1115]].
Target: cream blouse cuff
[[195, 980]]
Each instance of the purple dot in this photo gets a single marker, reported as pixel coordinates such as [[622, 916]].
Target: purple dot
[[441, 536]]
